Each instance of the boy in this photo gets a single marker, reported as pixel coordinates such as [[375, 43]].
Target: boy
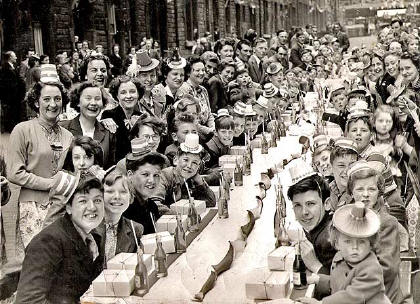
[[251, 121], [187, 163], [184, 124], [356, 275], [63, 259], [343, 154], [321, 157], [338, 99], [359, 128], [222, 140], [238, 114]]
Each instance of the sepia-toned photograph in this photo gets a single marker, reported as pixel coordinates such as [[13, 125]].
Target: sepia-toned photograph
[[214, 151]]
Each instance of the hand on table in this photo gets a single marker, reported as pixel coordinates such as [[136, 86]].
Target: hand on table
[[109, 124], [309, 257], [309, 301]]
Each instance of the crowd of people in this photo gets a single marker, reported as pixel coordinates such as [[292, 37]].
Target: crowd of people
[[101, 146]]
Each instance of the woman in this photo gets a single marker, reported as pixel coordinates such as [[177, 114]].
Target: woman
[[193, 86], [224, 48], [218, 85], [116, 230], [36, 153], [145, 70], [387, 84], [127, 91], [116, 61], [89, 100], [95, 69]]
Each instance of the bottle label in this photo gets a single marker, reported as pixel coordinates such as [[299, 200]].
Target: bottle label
[[296, 279]]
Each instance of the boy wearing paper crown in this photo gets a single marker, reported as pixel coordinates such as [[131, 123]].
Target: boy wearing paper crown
[[187, 164], [221, 141], [64, 258], [356, 275]]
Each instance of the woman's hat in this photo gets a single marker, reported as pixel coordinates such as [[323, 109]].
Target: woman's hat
[[274, 67], [139, 148], [49, 73], [263, 102], [355, 220], [64, 185], [144, 62], [239, 108], [300, 170], [249, 111], [191, 144], [320, 143], [176, 61], [270, 90]]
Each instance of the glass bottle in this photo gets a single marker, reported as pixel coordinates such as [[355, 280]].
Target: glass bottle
[[282, 236], [264, 144], [222, 206], [238, 175], [226, 186], [160, 259], [180, 236], [193, 217], [247, 165], [141, 279], [299, 270]]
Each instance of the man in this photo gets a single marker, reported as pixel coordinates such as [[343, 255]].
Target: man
[[396, 26], [144, 170], [211, 62], [63, 259], [255, 63], [12, 92], [309, 193], [24, 65], [341, 37], [243, 51], [297, 50], [283, 39]]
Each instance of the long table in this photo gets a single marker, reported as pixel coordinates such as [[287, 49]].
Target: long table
[[190, 270]]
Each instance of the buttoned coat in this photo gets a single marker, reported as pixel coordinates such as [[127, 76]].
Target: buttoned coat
[[106, 139], [361, 283], [256, 74], [58, 266]]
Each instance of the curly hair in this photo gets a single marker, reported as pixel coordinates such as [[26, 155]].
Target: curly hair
[[89, 59], [115, 84], [364, 174], [222, 42], [91, 148], [193, 59], [158, 126], [32, 98], [76, 92]]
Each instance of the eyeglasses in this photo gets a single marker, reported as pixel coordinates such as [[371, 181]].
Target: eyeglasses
[[153, 137]]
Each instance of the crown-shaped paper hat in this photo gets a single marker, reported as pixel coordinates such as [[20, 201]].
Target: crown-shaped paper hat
[[300, 170], [191, 144]]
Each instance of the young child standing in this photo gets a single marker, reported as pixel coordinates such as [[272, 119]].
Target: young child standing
[[221, 141], [356, 275]]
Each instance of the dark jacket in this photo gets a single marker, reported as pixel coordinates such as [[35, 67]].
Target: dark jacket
[[125, 237], [218, 96], [296, 56], [123, 131], [320, 239], [117, 65], [106, 139], [215, 149], [382, 86], [58, 267], [140, 211]]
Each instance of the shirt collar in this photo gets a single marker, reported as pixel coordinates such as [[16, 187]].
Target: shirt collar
[[168, 91], [82, 233], [11, 64]]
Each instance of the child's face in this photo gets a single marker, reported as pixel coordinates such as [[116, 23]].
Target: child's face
[[187, 164], [366, 191], [307, 57], [340, 167], [225, 136], [360, 132], [353, 250], [260, 113], [339, 102], [251, 126], [117, 197], [383, 123], [322, 164], [81, 162], [243, 79], [239, 125], [183, 130]]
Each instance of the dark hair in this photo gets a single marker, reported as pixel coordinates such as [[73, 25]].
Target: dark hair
[[86, 183], [32, 98], [312, 183], [363, 174], [152, 158], [89, 59], [340, 151], [367, 120], [396, 20], [225, 123], [42, 57], [241, 43], [193, 59], [76, 92], [414, 59], [91, 147], [31, 61], [115, 84], [222, 42], [158, 126], [180, 119], [226, 63]]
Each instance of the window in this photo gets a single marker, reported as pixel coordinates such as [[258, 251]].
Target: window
[[191, 19], [111, 19], [38, 38]]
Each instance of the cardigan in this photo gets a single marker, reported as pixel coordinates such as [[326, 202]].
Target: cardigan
[[30, 160]]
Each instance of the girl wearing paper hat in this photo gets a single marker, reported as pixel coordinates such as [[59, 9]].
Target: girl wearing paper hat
[[356, 275]]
